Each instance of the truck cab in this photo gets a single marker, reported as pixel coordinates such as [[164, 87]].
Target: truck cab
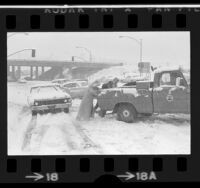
[[169, 92]]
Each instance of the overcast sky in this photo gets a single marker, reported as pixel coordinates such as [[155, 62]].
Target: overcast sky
[[159, 48]]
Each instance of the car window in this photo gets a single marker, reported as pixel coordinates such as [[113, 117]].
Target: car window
[[57, 87], [71, 85], [62, 82], [84, 84], [173, 79], [57, 81], [165, 79]]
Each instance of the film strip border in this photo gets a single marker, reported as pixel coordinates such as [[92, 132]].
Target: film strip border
[[108, 164], [89, 169], [84, 22], [86, 169]]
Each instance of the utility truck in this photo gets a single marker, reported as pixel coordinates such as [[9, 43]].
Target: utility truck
[[168, 92]]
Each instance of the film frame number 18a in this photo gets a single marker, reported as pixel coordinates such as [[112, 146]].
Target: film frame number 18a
[[98, 94]]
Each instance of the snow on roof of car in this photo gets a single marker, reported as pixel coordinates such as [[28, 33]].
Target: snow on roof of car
[[69, 82], [81, 80], [45, 85], [59, 80]]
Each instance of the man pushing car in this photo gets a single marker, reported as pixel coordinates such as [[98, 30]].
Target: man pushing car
[[86, 109]]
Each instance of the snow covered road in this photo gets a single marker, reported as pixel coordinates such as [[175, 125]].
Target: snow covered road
[[61, 134]]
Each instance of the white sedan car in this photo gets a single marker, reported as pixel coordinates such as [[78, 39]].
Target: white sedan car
[[76, 88], [48, 98], [59, 81]]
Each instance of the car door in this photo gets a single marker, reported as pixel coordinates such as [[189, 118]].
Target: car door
[[168, 96]]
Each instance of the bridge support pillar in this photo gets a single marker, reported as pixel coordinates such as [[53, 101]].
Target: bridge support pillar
[[42, 69], [31, 72], [36, 72], [13, 72], [19, 71]]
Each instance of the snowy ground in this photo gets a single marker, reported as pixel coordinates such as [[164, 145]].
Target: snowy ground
[[60, 134]]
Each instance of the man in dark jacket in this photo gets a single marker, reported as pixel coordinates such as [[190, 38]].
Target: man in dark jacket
[[107, 85]]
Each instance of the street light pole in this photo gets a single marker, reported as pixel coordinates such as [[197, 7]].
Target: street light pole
[[78, 57], [140, 50], [33, 52], [138, 42], [86, 49], [9, 36]]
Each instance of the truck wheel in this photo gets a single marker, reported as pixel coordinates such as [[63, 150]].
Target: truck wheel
[[126, 113], [34, 113], [66, 110], [102, 113]]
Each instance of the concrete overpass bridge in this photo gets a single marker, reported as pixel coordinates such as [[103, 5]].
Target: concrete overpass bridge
[[57, 69]]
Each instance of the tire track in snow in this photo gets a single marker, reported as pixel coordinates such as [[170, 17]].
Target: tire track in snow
[[71, 144], [39, 137], [28, 133], [88, 142], [43, 128], [34, 136], [65, 125]]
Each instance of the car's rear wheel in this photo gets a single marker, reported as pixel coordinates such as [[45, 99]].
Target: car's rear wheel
[[126, 113], [66, 110]]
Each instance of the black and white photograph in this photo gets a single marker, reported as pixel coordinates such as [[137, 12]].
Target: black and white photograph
[[98, 93]]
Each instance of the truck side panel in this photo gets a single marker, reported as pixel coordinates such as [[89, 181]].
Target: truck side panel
[[171, 100], [142, 100]]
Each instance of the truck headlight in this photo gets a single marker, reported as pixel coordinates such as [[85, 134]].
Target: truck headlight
[[65, 100]]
